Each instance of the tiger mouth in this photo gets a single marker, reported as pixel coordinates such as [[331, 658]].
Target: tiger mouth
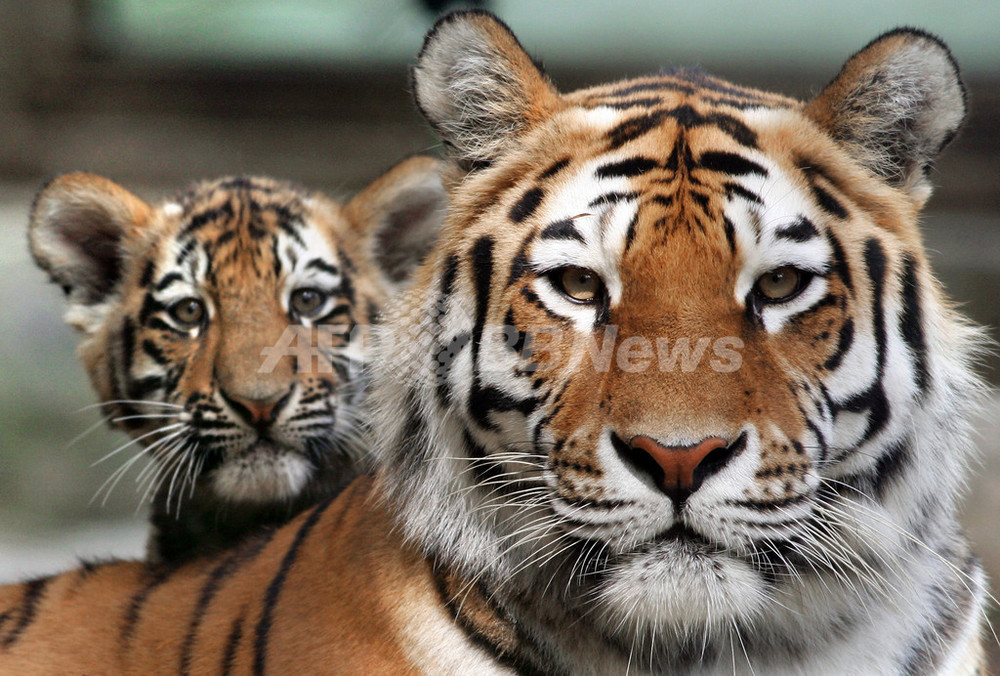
[[262, 449], [683, 536]]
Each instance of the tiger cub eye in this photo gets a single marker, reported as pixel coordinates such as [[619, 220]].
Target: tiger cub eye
[[188, 311], [781, 283], [307, 302], [580, 284]]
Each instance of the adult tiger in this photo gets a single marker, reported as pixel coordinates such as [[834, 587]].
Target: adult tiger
[[222, 329], [564, 501]]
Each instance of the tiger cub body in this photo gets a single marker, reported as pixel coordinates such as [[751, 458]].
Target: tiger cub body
[[558, 490], [223, 330]]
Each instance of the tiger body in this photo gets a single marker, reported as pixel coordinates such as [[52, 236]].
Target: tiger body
[[224, 330], [558, 490]]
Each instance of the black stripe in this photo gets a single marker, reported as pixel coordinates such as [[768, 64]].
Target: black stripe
[[321, 264], [533, 298], [892, 463], [448, 276], [154, 352], [486, 400], [844, 342], [874, 400], [634, 128], [554, 169], [245, 553], [140, 388], [730, 234], [519, 265], [155, 577], [563, 229], [840, 260], [687, 116], [700, 199], [526, 206], [33, 592], [740, 191], [730, 163], [481, 260], [150, 306], [911, 322], [232, 644], [127, 337], [635, 166], [652, 85], [199, 221], [273, 592], [828, 202], [630, 233], [147, 274], [168, 279], [801, 230], [612, 198]]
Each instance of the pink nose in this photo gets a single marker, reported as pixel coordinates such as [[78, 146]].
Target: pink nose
[[260, 413], [680, 470]]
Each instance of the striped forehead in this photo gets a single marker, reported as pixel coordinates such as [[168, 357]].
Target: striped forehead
[[745, 208], [231, 235]]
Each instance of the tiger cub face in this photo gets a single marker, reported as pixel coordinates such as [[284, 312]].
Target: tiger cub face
[[680, 375], [223, 329]]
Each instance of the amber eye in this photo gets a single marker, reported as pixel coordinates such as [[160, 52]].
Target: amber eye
[[188, 312], [781, 284], [580, 284], [307, 302]]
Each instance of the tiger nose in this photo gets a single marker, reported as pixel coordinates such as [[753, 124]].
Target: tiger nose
[[259, 413], [680, 470]]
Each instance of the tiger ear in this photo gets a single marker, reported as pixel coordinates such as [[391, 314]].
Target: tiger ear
[[401, 213], [477, 87], [895, 105], [77, 225]]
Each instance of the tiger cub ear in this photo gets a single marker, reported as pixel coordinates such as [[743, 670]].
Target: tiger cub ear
[[76, 230], [895, 105], [400, 214], [477, 86]]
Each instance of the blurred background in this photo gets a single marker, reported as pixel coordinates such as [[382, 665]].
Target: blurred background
[[157, 93]]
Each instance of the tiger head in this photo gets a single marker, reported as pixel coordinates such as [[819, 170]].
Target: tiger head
[[223, 328], [677, 370]]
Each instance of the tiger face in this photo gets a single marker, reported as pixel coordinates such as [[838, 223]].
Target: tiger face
[[224, 328], [678, 383]]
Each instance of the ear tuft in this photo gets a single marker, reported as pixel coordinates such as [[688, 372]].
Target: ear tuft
[[477, 86], [401, 213], [75, 233], [895, 105]]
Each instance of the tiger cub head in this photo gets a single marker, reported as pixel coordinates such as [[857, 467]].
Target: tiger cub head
[[677, 368], [224, 328]]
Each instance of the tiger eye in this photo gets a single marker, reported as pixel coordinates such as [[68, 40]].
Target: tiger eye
[[188, 311], [781, 283], [580, 284], [307, 302]]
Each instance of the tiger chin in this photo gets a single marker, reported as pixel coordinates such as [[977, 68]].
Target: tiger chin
[[224, 329], [675, 393]]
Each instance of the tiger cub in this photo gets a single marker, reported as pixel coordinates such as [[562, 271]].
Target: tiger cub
[[223, 329], [675, 393]]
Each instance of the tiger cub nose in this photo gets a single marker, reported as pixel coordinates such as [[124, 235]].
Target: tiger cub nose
[[259, 413], [680, 470]]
